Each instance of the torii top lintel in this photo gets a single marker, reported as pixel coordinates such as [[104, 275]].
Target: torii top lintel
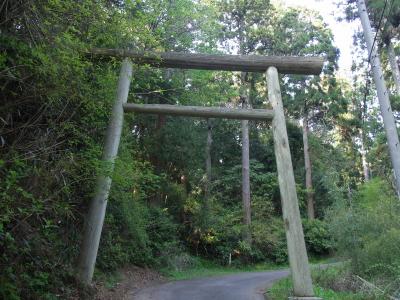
[[305, 65]]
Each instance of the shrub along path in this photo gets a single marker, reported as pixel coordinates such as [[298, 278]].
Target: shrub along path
[[248, 285]]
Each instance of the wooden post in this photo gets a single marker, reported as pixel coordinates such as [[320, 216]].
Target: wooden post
[[95, 218], [302, 285]]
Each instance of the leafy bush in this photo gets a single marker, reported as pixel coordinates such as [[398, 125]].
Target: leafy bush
[[367, 231], [334, 283], [133, 231], [163, 238], [317, 237], [269, 237], [175, 259]]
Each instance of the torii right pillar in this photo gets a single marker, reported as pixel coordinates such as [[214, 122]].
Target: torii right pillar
[[299, 266]]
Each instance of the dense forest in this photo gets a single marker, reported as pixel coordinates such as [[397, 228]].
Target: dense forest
[[179, 194]]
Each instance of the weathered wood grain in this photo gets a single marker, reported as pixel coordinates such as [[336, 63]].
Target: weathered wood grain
[[302, 284], [200, 111], [306, 65]]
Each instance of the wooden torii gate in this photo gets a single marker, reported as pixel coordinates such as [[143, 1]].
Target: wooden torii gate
[[300, 270]]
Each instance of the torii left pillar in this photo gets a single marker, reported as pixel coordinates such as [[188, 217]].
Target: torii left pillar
[[97, 209]]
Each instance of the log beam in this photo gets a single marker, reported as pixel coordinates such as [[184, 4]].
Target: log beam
[[306, 65], [201, 112]]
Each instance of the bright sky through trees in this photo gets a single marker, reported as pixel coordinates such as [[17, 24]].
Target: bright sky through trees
[[343, 31]]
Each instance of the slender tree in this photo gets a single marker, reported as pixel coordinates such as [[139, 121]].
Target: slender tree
[[364, 155], [208, 162], [307, 165], [306, 98], [244, 97], [394, 66], [387, 27], [246, 198], [240, 20], [383, 96]]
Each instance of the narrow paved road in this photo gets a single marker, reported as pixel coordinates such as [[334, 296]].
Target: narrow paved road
[[243, 286]]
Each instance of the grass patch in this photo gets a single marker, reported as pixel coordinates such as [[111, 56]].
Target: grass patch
[[205, 268], [319, 260], [199, 267], [332, 283], [283, 289]]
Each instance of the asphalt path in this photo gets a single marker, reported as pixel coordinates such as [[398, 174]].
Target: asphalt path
[[243, 286]]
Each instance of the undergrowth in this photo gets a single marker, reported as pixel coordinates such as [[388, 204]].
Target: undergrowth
[[332, 283]]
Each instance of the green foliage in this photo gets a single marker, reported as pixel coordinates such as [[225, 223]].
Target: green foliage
[[269, 237], [395, 102], [317, 237], [56, 109], [331, 283], [57, 103], [367, 232], [135, 232]]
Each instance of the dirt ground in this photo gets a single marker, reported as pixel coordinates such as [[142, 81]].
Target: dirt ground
[[132, 279]]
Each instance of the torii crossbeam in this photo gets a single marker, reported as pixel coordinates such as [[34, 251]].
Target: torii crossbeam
[[304, 65], [300, 270], [200, 111]]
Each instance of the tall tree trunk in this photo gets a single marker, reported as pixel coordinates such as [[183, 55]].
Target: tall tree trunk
[[245, 163], [246, 180], [386, 110], [208, 162], [307, 165], [364, 156], [362, 114], [394, 65], [244, 97]]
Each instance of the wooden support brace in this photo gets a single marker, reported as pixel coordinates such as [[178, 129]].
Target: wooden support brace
[[306, 65], [200, 111], [298, 259]]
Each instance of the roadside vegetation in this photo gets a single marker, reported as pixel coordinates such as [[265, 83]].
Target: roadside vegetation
[[366, 232], [333, 283]]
